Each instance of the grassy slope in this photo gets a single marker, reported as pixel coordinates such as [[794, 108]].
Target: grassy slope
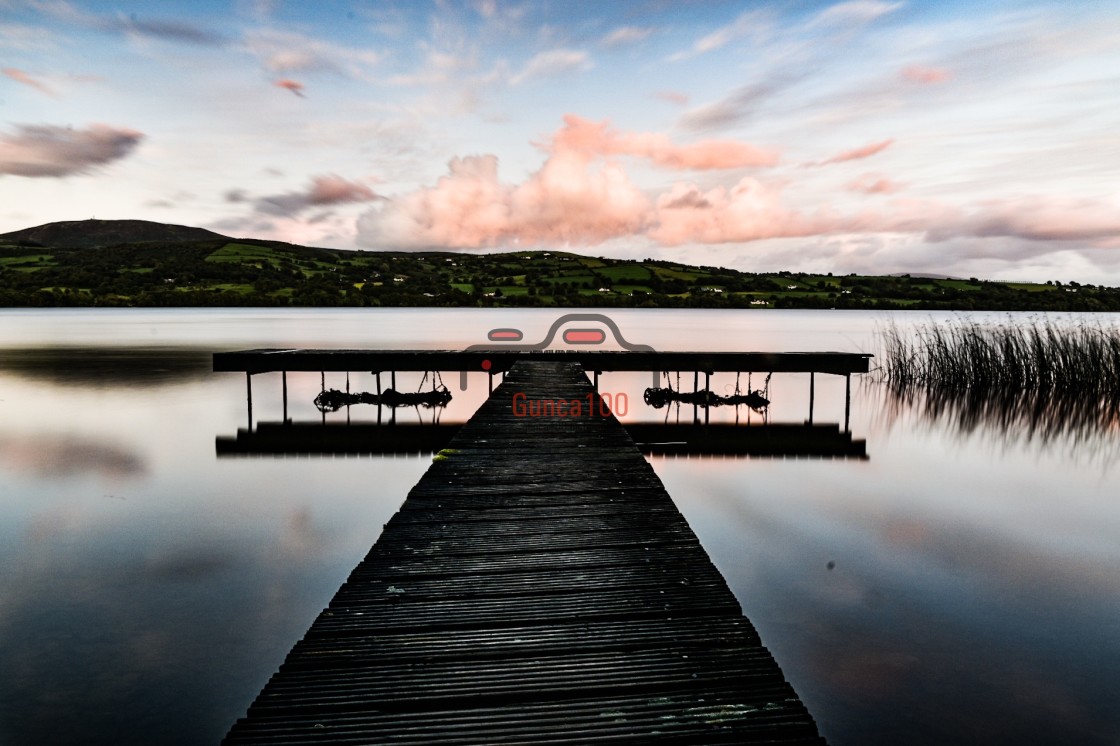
[[254, 271]]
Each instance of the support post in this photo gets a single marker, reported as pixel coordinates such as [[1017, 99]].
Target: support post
[[378, 374], [707, 387], [284, 383], [249, 397], [737, 373], [678, 402], [323, 389], [393, 385], [347, 397], [695, 390], [847, 401], [812, 393]]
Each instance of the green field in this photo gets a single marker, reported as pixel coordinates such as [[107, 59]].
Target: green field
[[250, 272]]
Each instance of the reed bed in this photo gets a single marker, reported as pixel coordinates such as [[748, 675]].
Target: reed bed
[[1039, 378]]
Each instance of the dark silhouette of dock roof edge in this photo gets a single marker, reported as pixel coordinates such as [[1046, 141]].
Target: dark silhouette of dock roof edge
[[501, 360]]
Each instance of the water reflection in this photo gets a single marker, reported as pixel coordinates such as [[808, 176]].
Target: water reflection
[[1089, 424], [144, 599], [780, 440], [60, 456], [107, 366], [940, 596], [1031, 381]]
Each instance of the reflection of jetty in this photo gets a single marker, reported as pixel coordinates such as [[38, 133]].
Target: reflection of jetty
[[792, 440], [538, 585]]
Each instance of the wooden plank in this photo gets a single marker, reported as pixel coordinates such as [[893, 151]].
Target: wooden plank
[[537, 586]]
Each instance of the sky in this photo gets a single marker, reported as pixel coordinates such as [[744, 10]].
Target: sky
[[971, 139]]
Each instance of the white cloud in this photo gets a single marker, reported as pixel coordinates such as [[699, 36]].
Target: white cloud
[[745, 24], [17, 37], [439, 67], [287, 52], [740, 105], [169, 29], [854, 12], [552, 63], [625, 35], [486, 8]]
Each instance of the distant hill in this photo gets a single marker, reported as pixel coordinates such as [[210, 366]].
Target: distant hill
[[140, 263], [81, 234]]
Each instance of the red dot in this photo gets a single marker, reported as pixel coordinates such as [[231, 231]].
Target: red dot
[[486, 365]]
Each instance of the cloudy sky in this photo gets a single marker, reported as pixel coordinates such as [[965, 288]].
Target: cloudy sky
[[966, 138]]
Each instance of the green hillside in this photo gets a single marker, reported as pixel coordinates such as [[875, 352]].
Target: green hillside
[[79, 234], [183, 270]]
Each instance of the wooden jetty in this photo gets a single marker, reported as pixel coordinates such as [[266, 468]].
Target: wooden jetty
[[496, 361], [537, 586]]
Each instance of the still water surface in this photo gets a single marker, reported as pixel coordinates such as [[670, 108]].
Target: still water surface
[[961, 585]]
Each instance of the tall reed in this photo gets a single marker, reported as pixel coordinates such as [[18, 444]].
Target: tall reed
[[1041, 377], [1082, 359]]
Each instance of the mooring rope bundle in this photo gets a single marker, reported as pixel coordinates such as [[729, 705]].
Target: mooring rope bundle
[[332, 400]]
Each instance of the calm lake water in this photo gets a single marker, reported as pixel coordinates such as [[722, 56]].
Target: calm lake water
[[960, 585]]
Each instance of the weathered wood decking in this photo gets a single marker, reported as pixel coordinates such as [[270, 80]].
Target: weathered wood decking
[[537, 586]]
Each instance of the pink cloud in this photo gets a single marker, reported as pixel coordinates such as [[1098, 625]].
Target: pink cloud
[[1037, 219], [673, 97], [597, 138], [44, 150], [570, 201], [872, 184], [22, 77], [578, 196], [748, 211], [466, 208], [1092, 222], [566, 201], [333, 189], [856, 154], [291, 85], [582, 196], [330, 189], [925, 75]]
